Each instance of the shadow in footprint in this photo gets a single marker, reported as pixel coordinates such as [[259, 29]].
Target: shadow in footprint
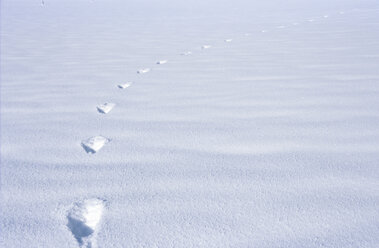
[[83, 221], [79, 230]]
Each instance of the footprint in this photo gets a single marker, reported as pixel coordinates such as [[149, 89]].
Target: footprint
[[142, 71], [311, 20], [186, 53], [281, 27], [326, 16], [264, 31], [125, 85], [106, 107], [205, 47], [161, 62], [295, 23], [84, 219], [228, 40], [94, 144], [247, 34]]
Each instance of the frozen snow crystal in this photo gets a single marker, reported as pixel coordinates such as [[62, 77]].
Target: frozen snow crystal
[[106, 107], [124, 85], [142, 71], [161, 62], [94, 144], [205, 47], [83, 221]]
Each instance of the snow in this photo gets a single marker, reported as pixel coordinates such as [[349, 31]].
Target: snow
[[161, 62], [83, 220], [205, 47], [94, 144], [186, 53], [106, 107], [142, 71], [125, 85], [269, 141]]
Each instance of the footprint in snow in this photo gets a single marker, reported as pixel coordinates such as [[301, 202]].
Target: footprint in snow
[[161, 62], [228, 40], [125, 85], [94, 144], [186, 53], [142, 71], [326, 16], [205, 47], [84, 220], [106, 107]]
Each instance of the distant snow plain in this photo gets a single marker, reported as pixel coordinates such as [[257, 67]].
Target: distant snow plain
[[267, 138]]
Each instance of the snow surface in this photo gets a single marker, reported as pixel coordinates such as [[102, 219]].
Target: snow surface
[[269, 141]]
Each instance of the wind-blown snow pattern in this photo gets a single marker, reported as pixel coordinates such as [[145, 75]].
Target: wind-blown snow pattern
[[271, 140]]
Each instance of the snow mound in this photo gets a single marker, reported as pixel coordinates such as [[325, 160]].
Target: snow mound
[[142, 71], [106, 107], [83, 221], [161, 62], [205, 47], [94, 144], [125, 85]]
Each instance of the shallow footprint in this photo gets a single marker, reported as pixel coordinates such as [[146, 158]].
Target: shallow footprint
[[125, 85], [161, 62], [186, 53], [106, 107], [142, 71], [94, 144], [83, 221]]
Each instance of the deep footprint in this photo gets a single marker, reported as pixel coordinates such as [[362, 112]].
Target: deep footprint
[[125, 85], [142, 71], [94, 144], [106, 107], [83, 221], [161, 62], [186, 53]]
